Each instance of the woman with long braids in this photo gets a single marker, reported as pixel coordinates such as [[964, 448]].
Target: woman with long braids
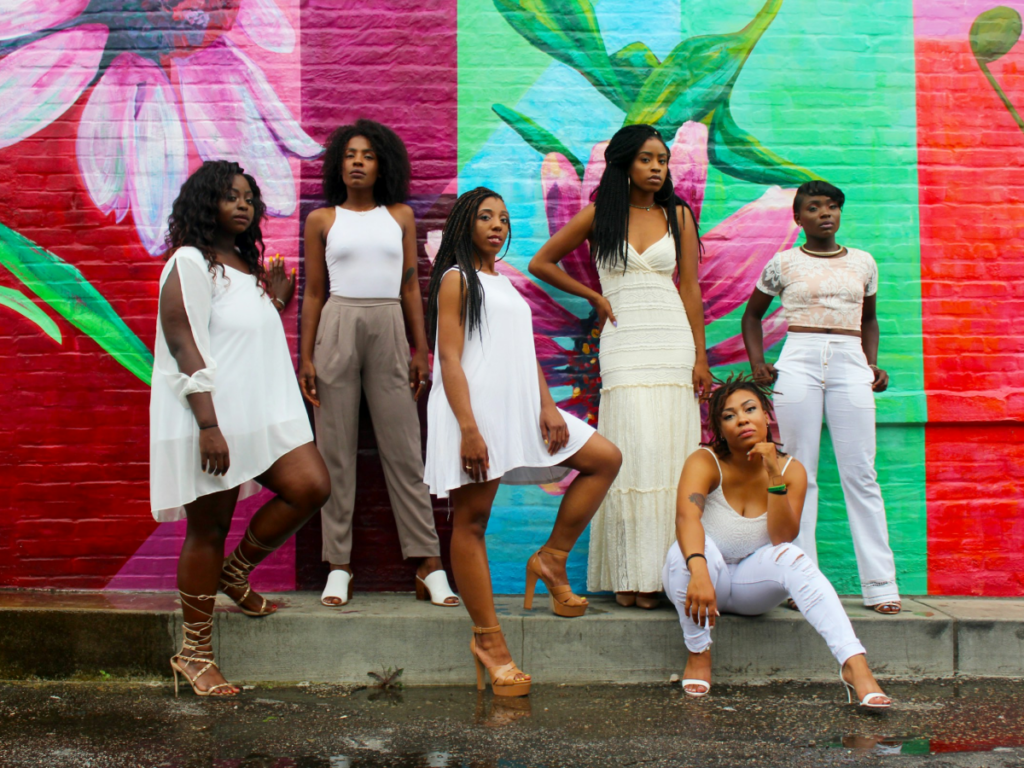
[[828, 367], [225, 411], [652, 354], [491, 419], [361, 293], [737, 512]]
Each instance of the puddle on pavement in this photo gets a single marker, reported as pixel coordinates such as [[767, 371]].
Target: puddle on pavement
[[865, 744]]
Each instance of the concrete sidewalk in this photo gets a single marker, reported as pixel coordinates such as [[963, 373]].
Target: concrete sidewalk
[[107, 634]]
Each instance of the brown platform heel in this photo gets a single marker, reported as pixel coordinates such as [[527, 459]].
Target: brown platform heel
[[563, 601], [235, 576], [503, 678], [196, 635]]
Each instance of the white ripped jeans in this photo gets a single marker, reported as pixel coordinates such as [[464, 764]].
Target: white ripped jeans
[[823, 374], [758, 583]]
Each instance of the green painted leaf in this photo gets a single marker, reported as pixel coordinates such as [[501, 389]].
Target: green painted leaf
[[23, 305], [633, 65], [537, 136], [994, 33], [567, 30], [697, 75], [734, 151], [65, 289]]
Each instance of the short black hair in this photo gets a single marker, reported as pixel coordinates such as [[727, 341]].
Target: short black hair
[[393, 168], [817, 188], [736, 382]]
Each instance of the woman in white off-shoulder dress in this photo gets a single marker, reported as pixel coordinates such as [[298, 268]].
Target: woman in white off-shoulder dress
[[652, 354], [225, 408]]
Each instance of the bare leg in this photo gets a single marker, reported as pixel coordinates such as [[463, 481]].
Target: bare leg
[[698, 667], [300, 480], [199, 566], [472, 509]]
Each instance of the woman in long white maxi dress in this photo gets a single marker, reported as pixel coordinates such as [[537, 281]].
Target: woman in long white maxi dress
[[491, 419], [652, 353], [225, 408]]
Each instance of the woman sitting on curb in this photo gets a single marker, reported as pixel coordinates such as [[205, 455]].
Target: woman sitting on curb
[[737, 512]]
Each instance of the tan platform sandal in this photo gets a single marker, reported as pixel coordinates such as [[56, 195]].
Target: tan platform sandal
[[563, 601], [503, 678], [235, 576], [195, 636]]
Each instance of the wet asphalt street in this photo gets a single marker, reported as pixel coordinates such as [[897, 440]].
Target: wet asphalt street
[[142, 724]]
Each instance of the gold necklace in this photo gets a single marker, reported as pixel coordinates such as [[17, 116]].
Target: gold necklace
[[836, 252], [643, 207]]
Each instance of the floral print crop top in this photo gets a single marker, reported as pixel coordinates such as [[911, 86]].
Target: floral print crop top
[[821, 292]]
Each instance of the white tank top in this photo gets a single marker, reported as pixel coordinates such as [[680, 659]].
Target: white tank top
[[735, 536], [364, 254]]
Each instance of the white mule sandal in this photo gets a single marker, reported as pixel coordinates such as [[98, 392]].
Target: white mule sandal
[[696, 694], [339, 585], [435, 588]]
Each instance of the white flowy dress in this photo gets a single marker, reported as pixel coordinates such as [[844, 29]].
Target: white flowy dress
[[249, 372], [500, 364], [648, 409]]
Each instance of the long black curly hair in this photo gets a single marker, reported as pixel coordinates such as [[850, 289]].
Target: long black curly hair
[[193, 219], [456, 250], [393, 168], [736, 383], [611, 198]]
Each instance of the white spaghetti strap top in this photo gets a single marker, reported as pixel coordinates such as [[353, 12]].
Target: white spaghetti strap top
[[364, 254], [735, 535]]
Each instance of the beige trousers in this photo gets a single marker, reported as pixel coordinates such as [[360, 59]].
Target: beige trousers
[[361, 347]]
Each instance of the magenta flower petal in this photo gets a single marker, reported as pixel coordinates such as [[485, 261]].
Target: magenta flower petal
[[550, 353], [31, 16], [593, 173], [266, 25], [549, 317], [562, 201], [732, 351], [41, 80], [131, 146], [738, 248], [234, 114], [689, 164]]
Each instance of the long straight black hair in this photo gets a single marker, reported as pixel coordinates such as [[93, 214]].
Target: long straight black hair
[[456, 250], [610, 233]]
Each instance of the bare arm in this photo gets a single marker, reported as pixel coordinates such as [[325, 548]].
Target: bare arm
[[753, 336], [213, 448], [783, 509], [544, 264], [412, 299], [869, 338], [689, 292], [314, 296], [698, 479], [451, 338]]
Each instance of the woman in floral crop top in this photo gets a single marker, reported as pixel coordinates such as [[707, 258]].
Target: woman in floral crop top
[[828, 368]]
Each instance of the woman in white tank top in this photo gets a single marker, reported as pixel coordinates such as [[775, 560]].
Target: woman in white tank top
[[737, 513], [362, 249]]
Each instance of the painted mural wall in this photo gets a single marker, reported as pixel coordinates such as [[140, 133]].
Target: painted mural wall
[[910, 107]]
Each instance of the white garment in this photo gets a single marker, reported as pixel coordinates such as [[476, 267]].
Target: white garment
[[649, 410], [364, 254], [821, 292], [249, 373], [500, 364], [737, 536], [822, 373], [757, 584]]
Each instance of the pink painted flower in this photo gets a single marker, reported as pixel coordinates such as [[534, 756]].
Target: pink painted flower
[[131, 148]]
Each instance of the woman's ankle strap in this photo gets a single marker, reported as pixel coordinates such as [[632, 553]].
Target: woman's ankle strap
[[554, 552], [486, 630]]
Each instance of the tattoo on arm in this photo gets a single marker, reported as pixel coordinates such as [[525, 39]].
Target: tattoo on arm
[[698, 500], [409, 274]]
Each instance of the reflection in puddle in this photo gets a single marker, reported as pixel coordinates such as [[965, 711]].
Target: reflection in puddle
[[422, 760], [882, 745]]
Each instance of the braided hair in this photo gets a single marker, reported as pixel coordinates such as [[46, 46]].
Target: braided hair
[[193, 219], [725, 389], [610, 232], [456, 250]]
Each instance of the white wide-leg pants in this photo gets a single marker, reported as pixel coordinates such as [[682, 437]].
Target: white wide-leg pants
[[827, 375], [758, 583]]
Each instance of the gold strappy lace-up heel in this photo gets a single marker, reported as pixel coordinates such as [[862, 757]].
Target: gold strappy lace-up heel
[[503, 678], [196, 635], [235, 576], [563, 601]]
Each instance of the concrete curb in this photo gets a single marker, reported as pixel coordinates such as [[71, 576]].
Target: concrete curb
[[95, 635]]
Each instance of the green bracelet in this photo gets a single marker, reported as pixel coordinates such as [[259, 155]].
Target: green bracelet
[[778, 490]]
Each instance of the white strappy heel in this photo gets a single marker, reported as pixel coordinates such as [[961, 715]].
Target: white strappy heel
[[339, 585], [436, 589], [866, 702]]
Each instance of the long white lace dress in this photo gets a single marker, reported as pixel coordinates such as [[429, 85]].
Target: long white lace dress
[[649, 410]]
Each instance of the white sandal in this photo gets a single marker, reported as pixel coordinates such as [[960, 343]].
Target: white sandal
[[339, 585], [866, 702], [696, 694], [435, 588]]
